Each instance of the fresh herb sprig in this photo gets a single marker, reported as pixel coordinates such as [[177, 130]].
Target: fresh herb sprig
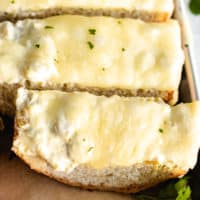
[[179, 190], [195, 6]]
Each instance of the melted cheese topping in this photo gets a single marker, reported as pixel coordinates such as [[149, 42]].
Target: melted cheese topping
[[130, 5], [70, 129], [96, 51]]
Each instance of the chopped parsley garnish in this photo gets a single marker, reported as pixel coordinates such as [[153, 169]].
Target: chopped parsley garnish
[[160, 130], [91, 46], [83, 139], [55, 60], [37, 46], [103, 69], [49, 27], [195, 6], [12, 1], [90, 149], [92, 31], [186, 45], [119, 22], [123, 49]]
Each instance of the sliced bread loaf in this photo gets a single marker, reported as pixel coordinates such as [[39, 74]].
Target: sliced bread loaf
[[118, 144]]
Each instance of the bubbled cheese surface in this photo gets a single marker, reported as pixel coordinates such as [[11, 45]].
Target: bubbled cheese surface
[[97, 51]]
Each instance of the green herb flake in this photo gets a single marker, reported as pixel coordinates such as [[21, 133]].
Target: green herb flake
[[103, 69], [12, 1], [92, 31], [90, 149], [37, 46], [55, 60], [83, 139], [91, 45], [123, 49], [48, 27], [119, 22], [161, 130], [186, 45]]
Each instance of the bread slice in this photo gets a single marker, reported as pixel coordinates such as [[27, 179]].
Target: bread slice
[[113, 143], [153, 10], [101, 55]]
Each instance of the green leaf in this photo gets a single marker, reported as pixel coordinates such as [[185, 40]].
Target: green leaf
[[181, 183], [175, 190], [195, 6], [184, 193]]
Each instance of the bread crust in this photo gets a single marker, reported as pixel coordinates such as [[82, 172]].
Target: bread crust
[[153, 173], [117, 13], [40, 166], [8, 93]]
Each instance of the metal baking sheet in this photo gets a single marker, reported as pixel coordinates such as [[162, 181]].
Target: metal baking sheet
[[191, 70], [190, 88], [18, 182]]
